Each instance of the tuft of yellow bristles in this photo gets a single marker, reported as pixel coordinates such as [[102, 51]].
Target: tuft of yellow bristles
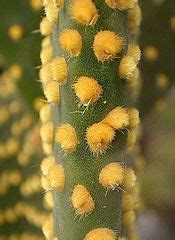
[[70, 40], [87, 90], [46, 132], [66, 136], [101, 234], [51, 91], [118, 118], [82, 200], [84, 12], [99, 136], [112, 175], [121, 4], [45, 27], [56, 177], [59, 70], [107, 45]]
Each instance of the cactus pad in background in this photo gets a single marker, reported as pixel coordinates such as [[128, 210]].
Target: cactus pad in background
[[19, 46], [157, 41], [21, 210]]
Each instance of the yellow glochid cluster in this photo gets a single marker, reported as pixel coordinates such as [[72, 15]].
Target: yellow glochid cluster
[[101, 234], [120, 4], [59, 70], [15, 32], [45, 27], [70, 41], [114, 175], [66, 136], [84, 12], [82, 200], [100, 135], [87, 90], [107, 46]]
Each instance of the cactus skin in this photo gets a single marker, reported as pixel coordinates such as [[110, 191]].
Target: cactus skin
[[82, 166]]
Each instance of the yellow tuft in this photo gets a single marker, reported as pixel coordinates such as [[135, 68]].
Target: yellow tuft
[[14, 177], [131, 138], [26, 121], [4, 115], [10, 216], [46, 164], [16, 129], [101, 234], [129, 180], [66, 136], [134, 118], [118, 118], [46, 42], [15, 71], [127, 67], [46, 54], [82, 200], [134, 84], [51, 91], [15, 107], [71, 41], [128, 218], [151, 53], [112, 175], [134, 19], [121, 4], [158, 2], [134, 52], [38, 104], [23, 159], [84, 12], [15, 32], [162, 81], [47, 148], [3, 151], [36, 4], [172, 23], [47, 228], [87, 90], [59, 70], [48, 200], [12, 146], [46, 132], [127, 202], [45, 27], [51, 12], [58, 3], [45, 74], [140, 163], [45, 183], [56, 176], [99, 136], [45, 113], [107, 45]]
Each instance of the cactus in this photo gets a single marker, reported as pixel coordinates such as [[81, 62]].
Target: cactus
[[21, 210], [86, 67], [156, 65], [16, 41], [158, 79]]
